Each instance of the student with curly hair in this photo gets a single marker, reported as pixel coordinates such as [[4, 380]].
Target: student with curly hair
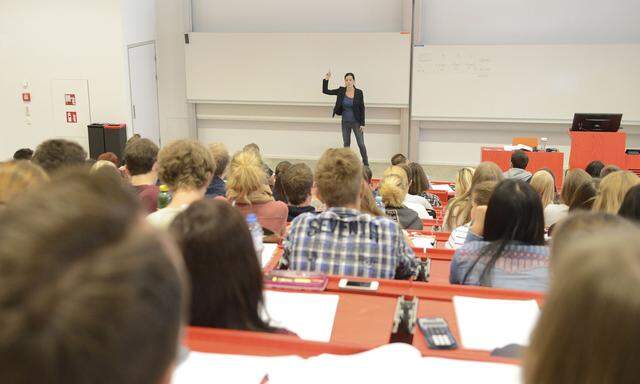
[[187, 168]]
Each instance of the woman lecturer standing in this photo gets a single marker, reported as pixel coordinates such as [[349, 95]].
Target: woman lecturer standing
[[349, 105]]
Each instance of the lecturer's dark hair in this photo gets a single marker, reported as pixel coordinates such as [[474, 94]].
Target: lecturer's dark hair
[[350, 74], [514, 214]]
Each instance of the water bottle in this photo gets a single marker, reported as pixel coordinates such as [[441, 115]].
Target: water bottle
[[379, 202], [164, 197], [543, 144], [256, 234]]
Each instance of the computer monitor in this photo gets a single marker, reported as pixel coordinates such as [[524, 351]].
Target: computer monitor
[[598, 122]]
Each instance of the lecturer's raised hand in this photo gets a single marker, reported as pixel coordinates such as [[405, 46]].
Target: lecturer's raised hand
[[327, 76]]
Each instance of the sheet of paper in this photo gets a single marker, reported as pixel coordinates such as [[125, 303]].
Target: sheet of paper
[[220, 368], [379, 365], [268, 251], [441, 187], [452, 371], [488, 324], [424, 242], [309, 315]]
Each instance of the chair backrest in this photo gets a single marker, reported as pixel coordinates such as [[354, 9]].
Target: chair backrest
[[529, 141]]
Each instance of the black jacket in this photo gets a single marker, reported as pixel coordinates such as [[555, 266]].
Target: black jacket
[[358, 101]]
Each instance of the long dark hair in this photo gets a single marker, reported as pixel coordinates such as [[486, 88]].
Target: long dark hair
[[225, 275], [514, 214], [420, 180]]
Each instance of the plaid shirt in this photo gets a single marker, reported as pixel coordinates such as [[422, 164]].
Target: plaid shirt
[[343, 241]]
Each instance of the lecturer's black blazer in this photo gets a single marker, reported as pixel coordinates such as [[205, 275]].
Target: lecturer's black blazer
[[358, 101]]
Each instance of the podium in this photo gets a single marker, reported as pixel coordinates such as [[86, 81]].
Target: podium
[[608, 147], [537, 160]]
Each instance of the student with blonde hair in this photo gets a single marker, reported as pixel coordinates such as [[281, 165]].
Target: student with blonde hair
[[613, 189], [17, 177], [480, 195], [422, 206], [543, 183], [393, 190], [368, 201], [342, 240], [248, 189], [588, 331], [186, 167], [459, 209], [462, 182], [573, 180]]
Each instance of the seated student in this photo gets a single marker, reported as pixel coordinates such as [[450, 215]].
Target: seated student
[[609, 169], [89, 293], [584, 196], [630, 207], [573, 180], [420, 183], [519, 162], [542, 182], [462, 181], [248, 190], [23, 154], [480, 196], [187, 168], [253, 147], [278, 193], [613, 189], [459, 209], [505, 247], [588, 330], [342, 240], [416, 198], [398, 159], [582, 225], [226, 279], [110, 156], [140, 157], [296, 184], [368, 177], [368, 203], [417, 203], [55, 154], [17, 177], [594, 168], [393, 190], [220, 157]]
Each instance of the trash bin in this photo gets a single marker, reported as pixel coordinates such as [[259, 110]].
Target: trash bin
[[96, 140], [105, 137]]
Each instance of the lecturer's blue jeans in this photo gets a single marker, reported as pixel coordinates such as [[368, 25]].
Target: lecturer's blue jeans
[[347, 127]]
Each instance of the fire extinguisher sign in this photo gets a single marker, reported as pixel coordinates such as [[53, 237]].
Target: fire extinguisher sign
[[72, 117]]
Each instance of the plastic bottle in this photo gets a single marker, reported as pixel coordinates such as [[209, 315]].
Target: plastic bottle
[[543, 144], [164, 197], [256, 233], [379, 202]]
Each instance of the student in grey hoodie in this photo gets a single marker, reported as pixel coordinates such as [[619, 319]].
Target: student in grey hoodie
[[519, 161]]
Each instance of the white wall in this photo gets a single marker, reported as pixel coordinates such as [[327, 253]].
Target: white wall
[[297, 16], [530, 21], [177, 117], [66, 39]]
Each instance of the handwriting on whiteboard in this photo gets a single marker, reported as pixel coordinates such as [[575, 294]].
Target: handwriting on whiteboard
[[458, 63]]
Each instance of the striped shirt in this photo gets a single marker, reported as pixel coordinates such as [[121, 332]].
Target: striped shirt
[[343, 241]]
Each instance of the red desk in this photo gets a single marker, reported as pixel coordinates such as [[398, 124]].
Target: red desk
[[537, 160], [434, 301], [608, 147]]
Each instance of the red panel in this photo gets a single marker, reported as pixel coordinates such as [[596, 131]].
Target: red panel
[[537, 160], [608, 147]]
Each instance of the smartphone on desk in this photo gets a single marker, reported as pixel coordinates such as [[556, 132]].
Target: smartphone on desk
[[358, 285]]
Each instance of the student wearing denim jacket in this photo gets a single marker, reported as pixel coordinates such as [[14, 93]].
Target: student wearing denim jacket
[[505, 247]]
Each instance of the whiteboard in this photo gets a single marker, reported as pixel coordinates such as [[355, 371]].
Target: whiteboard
[[287, 68], [533, 83]]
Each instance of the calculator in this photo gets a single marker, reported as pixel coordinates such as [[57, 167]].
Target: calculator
[[437, 333]]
